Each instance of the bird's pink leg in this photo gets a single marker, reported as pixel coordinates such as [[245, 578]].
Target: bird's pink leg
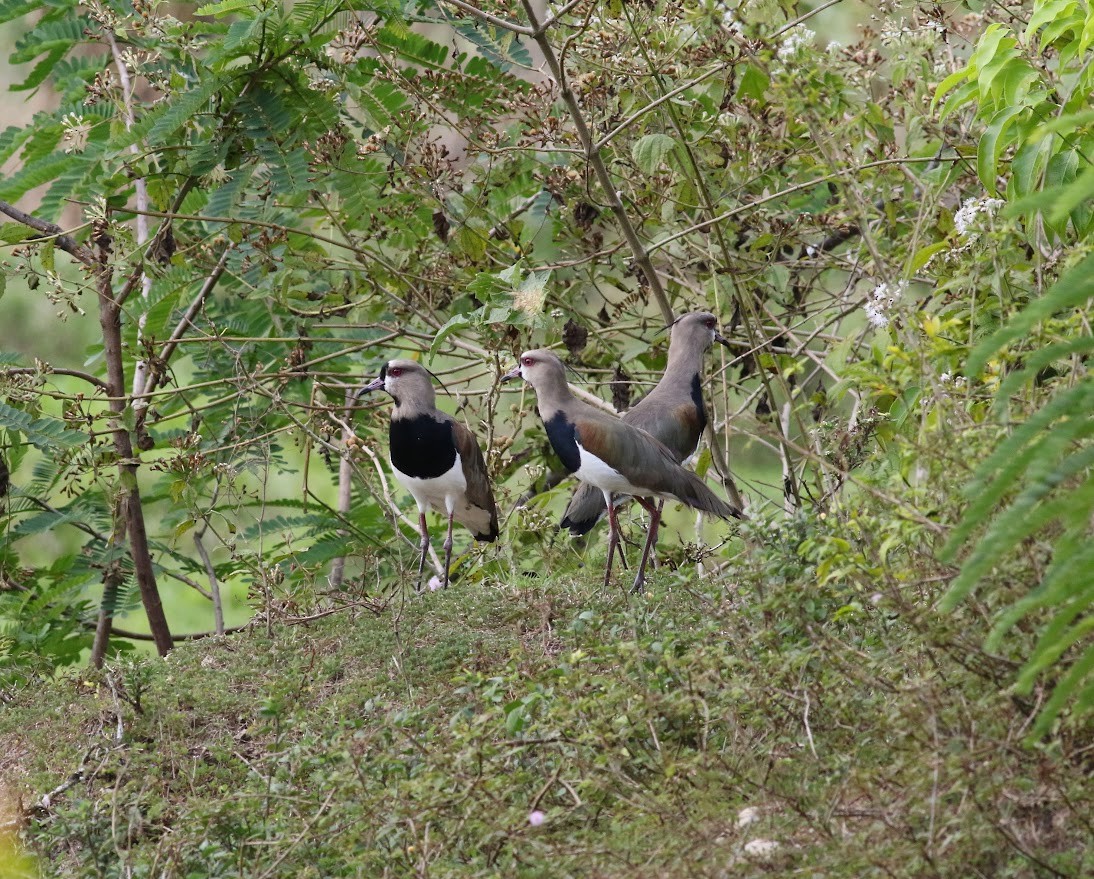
[[655, 524], [447, 552], [613, 541], [424, 547]]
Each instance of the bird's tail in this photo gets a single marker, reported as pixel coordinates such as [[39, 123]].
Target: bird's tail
[[696, 494], [584, 510]]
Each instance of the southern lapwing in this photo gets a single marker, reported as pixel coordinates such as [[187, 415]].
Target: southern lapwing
[[435, 458], [610, 454], [673, 411]]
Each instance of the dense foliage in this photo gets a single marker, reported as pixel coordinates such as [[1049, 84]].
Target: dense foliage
[[259, 203]]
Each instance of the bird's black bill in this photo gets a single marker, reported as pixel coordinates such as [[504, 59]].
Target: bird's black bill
[[377, 384], [513, 373]]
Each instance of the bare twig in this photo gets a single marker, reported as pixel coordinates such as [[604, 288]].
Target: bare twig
[[345, 488], [66, 242], [214, 584], [594, 158]]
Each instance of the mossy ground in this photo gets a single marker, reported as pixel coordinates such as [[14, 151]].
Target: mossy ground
[[867, 735]]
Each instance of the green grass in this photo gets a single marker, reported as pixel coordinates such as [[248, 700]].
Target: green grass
[[871, 737]]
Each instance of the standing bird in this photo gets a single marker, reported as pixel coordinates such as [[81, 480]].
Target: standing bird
[[435, 458], [614, 456], [672, 412]]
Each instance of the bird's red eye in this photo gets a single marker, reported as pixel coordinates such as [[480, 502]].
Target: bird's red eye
[[396, 372], [527, 361], [712, 323]]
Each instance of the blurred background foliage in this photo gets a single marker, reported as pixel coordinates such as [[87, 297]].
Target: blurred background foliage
[[288, 195]]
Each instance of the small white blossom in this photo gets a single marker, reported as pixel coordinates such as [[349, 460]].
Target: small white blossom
[[536, 818], [963, 219], [876, 316], [434, 583], [833, 47], [884, 297], [77, 131], [796, 38], [945, 378]]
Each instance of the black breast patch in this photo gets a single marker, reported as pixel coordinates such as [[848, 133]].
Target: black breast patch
[[697, 399], [422, 446], [563, 437]]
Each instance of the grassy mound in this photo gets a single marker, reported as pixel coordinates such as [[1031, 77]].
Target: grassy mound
[[767, 722]]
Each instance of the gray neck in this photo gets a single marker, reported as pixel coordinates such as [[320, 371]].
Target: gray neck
[[553, 395], [685, 361], [418, 401]]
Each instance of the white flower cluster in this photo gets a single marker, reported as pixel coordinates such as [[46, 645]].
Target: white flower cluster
[[77, 131], [966, 214], [797, 38], [883, 298]]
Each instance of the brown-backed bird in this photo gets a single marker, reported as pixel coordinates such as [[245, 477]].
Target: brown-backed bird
[[673, 411], [435, 458], [614, 456]]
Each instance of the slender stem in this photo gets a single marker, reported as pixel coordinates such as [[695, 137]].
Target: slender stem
[[214, 584], [111, 325], [345, 488], [66, 242], [113, 576], [75, 373], [510, 26], [782, 193], [594, 157]]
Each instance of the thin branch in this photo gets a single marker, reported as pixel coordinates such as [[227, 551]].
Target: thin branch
[[511, 26], [214, 584], [594, 158], [805, 16], [191, 636], [75, 373], [668, 96], [782, 193], [66, 242], [345, 488], [140, 186]]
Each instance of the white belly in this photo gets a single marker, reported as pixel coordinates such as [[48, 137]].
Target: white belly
[[444, 493], [601, 474]]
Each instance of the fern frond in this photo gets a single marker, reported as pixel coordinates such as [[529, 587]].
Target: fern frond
[[42, 70], [1073, 289], [34, 174], [49, 35], [1010, 458], [412, 47], [1071, 557], [1066, 688], [44, 433], [1035, 361]]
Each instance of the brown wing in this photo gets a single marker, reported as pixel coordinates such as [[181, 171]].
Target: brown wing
[[646, 462], [677, 427], [479, 494]]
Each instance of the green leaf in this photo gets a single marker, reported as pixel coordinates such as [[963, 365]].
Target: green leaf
[[1045, 12], [1074, 288], [45, 433], [753, 83], [13, 233], [650, 151], [993, 141], [949, 83], [1075, 193], [225, 7], [924, 254]]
